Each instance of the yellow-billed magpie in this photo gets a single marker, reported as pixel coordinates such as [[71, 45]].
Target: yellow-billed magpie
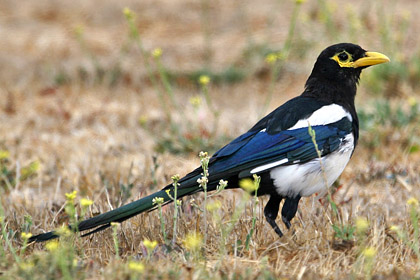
[[279, 147]]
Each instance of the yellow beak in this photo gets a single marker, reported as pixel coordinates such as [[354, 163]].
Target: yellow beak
[[371, 58]]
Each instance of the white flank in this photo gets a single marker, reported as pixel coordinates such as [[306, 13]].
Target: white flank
[[324, 115], [268, 166], [307, 179]]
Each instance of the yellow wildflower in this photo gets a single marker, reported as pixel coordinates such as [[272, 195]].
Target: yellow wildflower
[[71, 196], [115, 224], [271, 58], [300, 1], [193, 241], [248, 185], [195, 101], [79, 30], [168, 192], [143, 120], [4, 154], [127, 13], [157, 52], [412, 201], [26, 265], [25, 235], [64, 231], [157, 200], [395, 228], [150, 245], [369, 252], [412, 101], [362, 224], [203, 154], [213, 205], [85, 202], [204, 80], [175, 177], [31, 169], [136, 266], [52, 246]]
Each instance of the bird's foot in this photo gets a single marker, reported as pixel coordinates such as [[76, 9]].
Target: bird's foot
[[286, 222], [274, 225]]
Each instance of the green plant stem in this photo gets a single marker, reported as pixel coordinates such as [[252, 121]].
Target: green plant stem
[[63, 264], [5, 237], [275, 70], [134, 34], [24, 246], [276, 67], [292, 27], [216, 113], [257, 181], [162, 223], [166, 83], [175, 218], [231, 224], [204, 165], [415, 221], [205, 212], [84, 48], [332, 31], [115, 239]]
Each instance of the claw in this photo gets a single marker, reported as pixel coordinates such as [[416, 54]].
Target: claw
[[288, 212], [271, 211]]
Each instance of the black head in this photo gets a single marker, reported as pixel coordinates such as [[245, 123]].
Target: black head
[[337, 71]]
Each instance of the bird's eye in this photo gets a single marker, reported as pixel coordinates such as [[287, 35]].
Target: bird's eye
[[343, 56]]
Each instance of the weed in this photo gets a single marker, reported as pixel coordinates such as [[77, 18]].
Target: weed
[[115, 227], [177, 203], [11, 177], [159, 201], [255, 187], [204, 159]]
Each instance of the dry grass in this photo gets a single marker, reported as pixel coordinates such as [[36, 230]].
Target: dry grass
[[86, 111]]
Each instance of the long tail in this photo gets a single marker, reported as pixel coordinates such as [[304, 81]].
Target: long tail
[[120, 214]]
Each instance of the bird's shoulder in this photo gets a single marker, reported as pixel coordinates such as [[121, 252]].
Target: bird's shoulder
[[289, 114]]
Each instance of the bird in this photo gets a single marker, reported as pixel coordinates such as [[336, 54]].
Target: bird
[[279, 148]]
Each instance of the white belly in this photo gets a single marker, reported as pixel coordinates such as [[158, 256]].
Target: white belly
[[307, 179]]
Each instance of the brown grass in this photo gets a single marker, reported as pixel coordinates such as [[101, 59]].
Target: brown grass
[[87, 136]]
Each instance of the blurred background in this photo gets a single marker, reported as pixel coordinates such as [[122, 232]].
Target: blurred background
[[84, 80], [120, 95]]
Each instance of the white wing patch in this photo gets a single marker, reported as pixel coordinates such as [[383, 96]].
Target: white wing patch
[[268, 166], [324, 115]]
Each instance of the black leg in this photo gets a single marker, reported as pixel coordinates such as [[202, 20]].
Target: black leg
[[289, 209], [271, 211]]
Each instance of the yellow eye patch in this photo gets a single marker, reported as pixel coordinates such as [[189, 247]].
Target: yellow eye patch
[[344, 59]]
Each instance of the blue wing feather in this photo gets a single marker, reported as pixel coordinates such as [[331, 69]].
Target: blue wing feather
[[235, 145], [254, 149]]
